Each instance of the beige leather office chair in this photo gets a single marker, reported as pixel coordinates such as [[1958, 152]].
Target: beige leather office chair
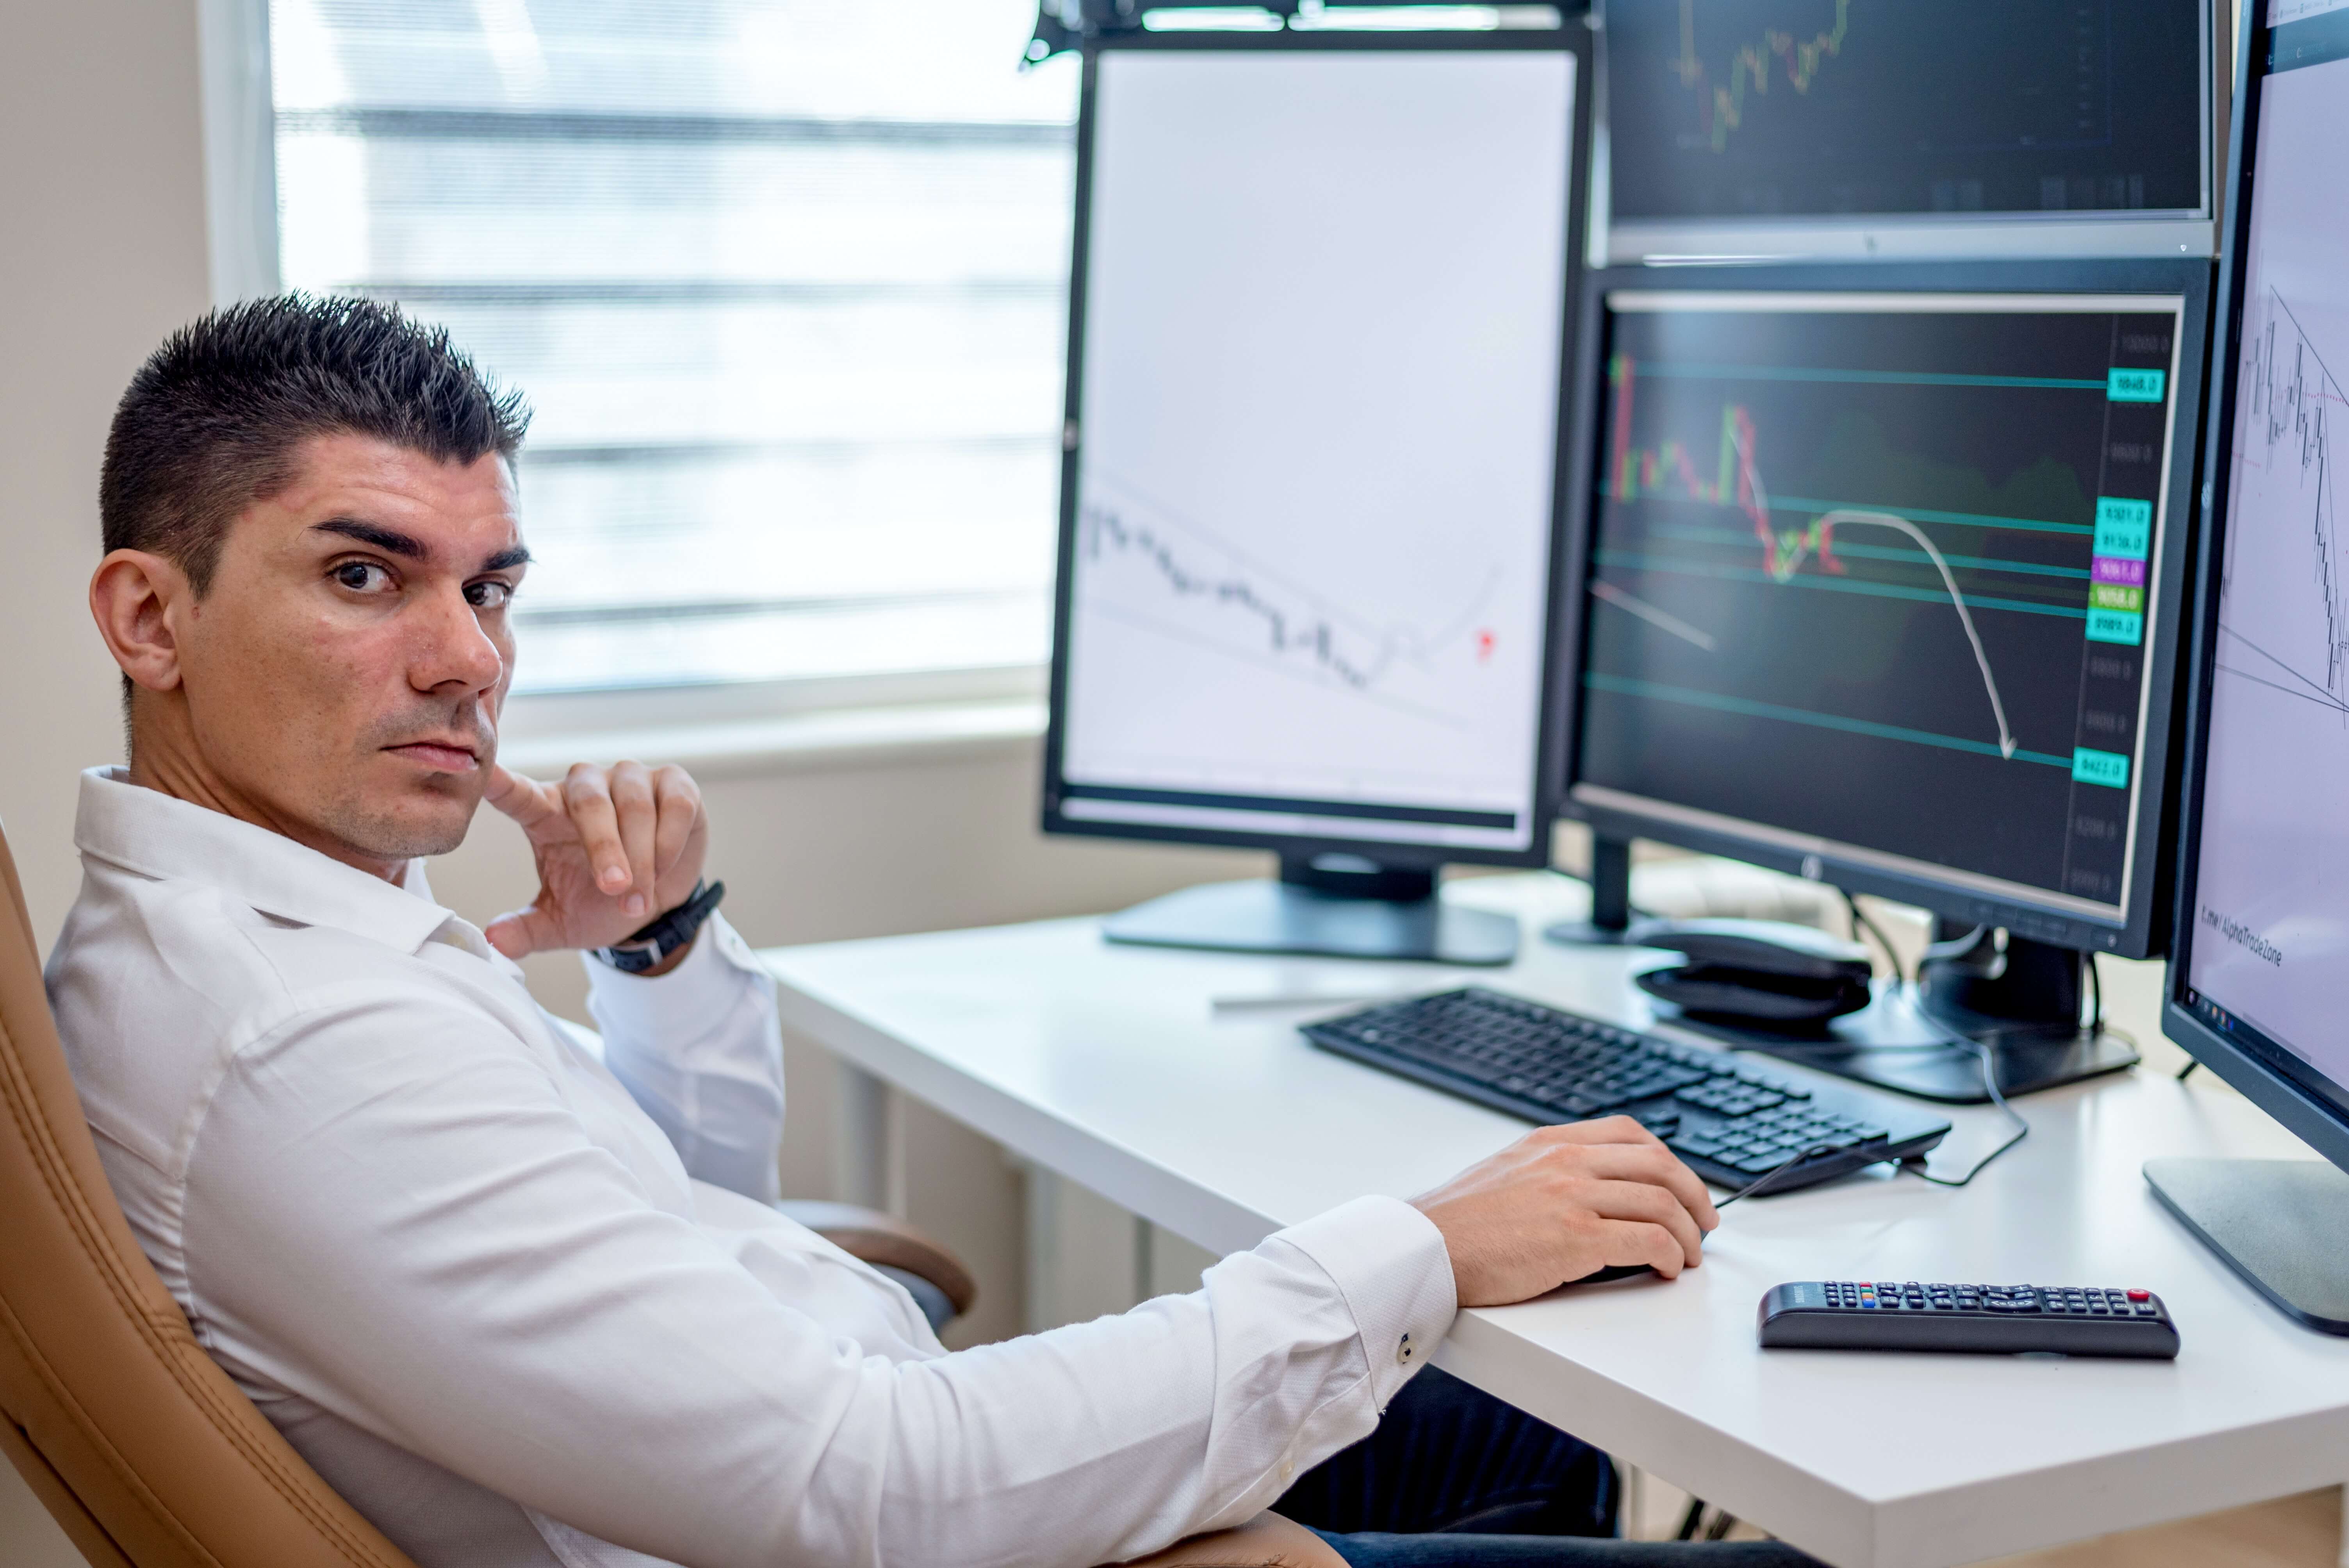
[[136, 1441]]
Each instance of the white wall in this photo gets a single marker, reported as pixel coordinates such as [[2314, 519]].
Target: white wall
[[101, 252]]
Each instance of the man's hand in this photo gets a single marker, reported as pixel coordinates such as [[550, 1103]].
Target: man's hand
[[1565, 1201], [615, 847]]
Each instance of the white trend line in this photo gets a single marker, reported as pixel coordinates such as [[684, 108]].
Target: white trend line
[[1990, 683], [1654, 617]]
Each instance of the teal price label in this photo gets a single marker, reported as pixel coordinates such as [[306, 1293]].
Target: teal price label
[[2124, 527], [2090, 766], [2116, 626], [2137, 386]]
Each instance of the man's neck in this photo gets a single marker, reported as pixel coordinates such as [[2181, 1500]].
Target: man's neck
[[181, 774]]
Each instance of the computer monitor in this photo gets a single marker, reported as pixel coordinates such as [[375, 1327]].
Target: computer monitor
[[1882, 587], [2259, 970], [1908, 127], [1311, 496]]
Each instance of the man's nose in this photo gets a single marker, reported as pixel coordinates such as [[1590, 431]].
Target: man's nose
[[453, 647]]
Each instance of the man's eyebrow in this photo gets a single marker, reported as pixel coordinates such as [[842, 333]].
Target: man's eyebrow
[[390, 540], [393, 542]]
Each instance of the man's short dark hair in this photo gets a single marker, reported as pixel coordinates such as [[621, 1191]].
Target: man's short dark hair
[[211, 420]]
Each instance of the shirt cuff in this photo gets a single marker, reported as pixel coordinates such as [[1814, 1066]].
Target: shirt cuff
[[688, 1001], [1390, 1265]]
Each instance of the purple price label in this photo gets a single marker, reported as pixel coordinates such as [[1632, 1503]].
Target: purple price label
[[2113, 569]]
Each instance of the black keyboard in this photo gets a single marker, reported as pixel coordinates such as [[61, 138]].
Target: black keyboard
[[1730, 1122], [1986, 1319]]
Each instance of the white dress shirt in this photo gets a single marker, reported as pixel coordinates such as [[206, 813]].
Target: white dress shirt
[[526, 1307]]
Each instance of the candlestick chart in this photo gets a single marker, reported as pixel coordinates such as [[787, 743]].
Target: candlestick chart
[[1776, 110], [1750, 66]]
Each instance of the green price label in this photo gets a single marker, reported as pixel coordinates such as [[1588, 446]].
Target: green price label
[[2109, 768], [2116, 626]]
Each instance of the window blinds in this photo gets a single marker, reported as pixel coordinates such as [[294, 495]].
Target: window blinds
[[784, 280]]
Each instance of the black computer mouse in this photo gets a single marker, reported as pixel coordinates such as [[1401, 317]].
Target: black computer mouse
[[1613, 1271]]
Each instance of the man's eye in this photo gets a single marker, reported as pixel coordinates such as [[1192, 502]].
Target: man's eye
[[488, 596], [362, 576]]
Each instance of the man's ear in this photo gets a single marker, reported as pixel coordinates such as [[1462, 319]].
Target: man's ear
[[135, 597]]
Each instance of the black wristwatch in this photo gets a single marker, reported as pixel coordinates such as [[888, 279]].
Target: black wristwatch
[[642, 950]]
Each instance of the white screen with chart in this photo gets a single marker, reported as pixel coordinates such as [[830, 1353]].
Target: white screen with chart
[[1323, 303], [2270, 928]]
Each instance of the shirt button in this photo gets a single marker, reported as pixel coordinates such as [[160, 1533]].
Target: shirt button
[[1287, 1469], [1403, 1352]]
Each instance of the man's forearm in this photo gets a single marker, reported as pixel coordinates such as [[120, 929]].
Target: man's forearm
[[698, 1046]]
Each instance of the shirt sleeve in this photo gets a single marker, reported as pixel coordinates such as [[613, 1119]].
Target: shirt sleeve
[[392, 1212], [700, 1050]]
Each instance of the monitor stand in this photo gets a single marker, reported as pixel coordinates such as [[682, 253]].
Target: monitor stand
[[2283, 1225], [2021, 1000], [1610, 924], [1326, 906]]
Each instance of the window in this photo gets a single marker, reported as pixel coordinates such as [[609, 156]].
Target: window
[[784, 280]]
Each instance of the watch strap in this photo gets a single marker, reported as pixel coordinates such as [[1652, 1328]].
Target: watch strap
[[665, 934]]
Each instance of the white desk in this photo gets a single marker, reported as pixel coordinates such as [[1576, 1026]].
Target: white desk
[[1108, 1066]]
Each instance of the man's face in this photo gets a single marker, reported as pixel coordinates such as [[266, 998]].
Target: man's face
[[344, 672]]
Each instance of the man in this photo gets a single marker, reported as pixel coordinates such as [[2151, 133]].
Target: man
[[524, 1304]]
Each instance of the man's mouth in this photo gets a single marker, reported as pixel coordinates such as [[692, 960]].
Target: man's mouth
[[444, 756]]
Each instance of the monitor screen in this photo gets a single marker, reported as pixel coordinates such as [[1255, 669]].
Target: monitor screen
[[1874, 584], [2268, 923], [1307, 560], [1943, 113]]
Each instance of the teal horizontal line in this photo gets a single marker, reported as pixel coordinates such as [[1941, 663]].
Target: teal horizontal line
[[1862, 377], [1875, 553], [1831, 584], [1623, 686], [1918, 514], [1913, 513]]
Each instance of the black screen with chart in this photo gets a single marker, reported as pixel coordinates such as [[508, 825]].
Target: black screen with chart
[[1791, 108], [1875, 576]]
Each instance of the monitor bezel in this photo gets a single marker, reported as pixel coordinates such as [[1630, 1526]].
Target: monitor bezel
[[2158, 232], [1572, 40], [2145, 920], [2312, 1106]]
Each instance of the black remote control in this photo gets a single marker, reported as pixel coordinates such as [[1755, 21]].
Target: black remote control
[[1985, 1319]]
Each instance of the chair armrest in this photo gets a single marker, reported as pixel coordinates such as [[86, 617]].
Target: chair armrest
[[1267, 1541], [884, 1239]]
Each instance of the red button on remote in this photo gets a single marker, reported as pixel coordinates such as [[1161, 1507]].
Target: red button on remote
[[2140, 1295]]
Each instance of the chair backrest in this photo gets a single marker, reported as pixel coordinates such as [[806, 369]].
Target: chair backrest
[[140, 1445]]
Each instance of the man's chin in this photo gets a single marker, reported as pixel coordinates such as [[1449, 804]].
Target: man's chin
[[434, 824]]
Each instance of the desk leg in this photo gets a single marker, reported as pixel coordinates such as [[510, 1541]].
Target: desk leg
[[2345, 1527], [865, 1156], [1087, 1257]]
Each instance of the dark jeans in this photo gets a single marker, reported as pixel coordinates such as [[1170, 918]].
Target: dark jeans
[[1456, 1479]]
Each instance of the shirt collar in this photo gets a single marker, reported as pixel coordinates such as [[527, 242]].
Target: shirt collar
[[159, 836]]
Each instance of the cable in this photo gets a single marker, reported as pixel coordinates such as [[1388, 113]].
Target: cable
[[2186, 1071], [1860, 921], [1990, 1081], [1795, 1158], [1951, 1040]]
